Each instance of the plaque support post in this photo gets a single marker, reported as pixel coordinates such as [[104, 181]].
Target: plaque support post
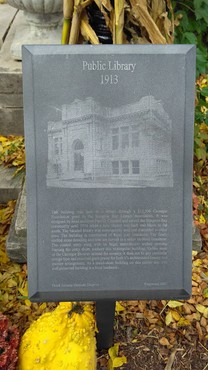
[[105, 312]]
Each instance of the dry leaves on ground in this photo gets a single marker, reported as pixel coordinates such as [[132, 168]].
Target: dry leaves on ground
[[12, 152], [13, 281], [173, 334]]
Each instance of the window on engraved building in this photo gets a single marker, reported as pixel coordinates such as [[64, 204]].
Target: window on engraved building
[[56, 146], [135, 167], [61, 145], [125, 167], [57, 169], [115, 167], [135, 136], [115, 138], [103, 164], [78, 145], [78, 162], [162, 166], [124, 137], [99, 144]]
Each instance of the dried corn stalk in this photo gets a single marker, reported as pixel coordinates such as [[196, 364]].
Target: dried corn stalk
[[129, 21], [87, 31], [68, 7], [118, 22]]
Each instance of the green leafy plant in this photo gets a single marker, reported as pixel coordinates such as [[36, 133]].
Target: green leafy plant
[[201, 149], [191, 27]]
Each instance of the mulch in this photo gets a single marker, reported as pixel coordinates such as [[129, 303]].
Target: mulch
[[150, 342]]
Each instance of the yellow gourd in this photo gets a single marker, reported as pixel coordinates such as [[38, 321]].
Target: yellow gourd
[[63, 339]]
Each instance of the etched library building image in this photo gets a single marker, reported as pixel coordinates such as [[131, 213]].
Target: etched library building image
[[100, 146]]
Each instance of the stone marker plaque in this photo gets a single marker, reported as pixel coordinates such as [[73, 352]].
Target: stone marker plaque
[[109, 134]]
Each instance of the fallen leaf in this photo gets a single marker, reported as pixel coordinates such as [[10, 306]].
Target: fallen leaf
[[27, 302], [205, 293], [119, 361], [3, 139], [203, 322], [197, 262], [24, 289], [115, 360], [119, 307], [11, 283], [202, 219], [183, 322], [199, 330], [194, 253], [164, 341], [200, 308], [188, 308], [175, 315], [168, 318], [174, 304], [194, 316], [43, 306]]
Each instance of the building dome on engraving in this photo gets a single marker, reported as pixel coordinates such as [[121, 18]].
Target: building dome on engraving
[[96, 146]]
